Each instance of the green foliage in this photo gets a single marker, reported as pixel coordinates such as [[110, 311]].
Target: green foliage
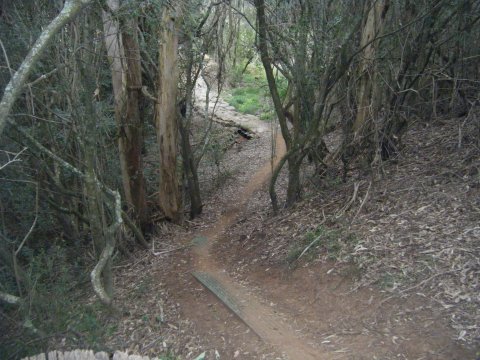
[[52, 308], [246, 100], [251, 94], [268, 115]]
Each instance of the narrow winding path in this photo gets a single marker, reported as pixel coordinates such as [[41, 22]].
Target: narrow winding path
[[253, 311]]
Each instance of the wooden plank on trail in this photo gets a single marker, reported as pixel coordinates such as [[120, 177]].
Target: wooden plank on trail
[[219, 291], [258, 317]]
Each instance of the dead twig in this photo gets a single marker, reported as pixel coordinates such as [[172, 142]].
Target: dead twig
[[167, 251], [421, 283], [363, 202], [347, 206], [14, 159]]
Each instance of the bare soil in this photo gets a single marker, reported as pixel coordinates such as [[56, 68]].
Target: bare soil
[[401, 281]]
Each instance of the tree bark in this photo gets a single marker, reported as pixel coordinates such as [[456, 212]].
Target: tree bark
[[124, 55], [190, 169], [184, 124], [263, 47], [294, 185], [134, 126], [372, 28], [293, 190], [166, 118]]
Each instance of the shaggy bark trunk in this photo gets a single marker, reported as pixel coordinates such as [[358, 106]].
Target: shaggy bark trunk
[[134, 123], [124, 55], [166, 119]]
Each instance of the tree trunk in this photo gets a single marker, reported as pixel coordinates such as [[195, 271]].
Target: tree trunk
[[294, 185], [190, 169], [124, 55], [189, 164], [134, 123], [372, 28], [166, 118], [266, 61], [96, 209]]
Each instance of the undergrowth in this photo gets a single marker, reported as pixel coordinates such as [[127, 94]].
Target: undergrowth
[[52, 312]]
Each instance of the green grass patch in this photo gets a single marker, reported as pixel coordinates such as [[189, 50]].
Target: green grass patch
[[251, 94], [246, 100]]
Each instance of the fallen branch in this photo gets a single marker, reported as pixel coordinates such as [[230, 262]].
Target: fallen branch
[[107, 252], [309, 246], [96, 273], [169, 251]]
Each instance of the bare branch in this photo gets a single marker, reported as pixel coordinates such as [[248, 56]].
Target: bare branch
[[10, 161], [110, 243], [18, 80]]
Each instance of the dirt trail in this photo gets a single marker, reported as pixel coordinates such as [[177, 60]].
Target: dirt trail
[[256, 313]]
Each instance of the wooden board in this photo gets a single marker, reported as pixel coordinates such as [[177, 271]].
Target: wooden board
[[219, 291]]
